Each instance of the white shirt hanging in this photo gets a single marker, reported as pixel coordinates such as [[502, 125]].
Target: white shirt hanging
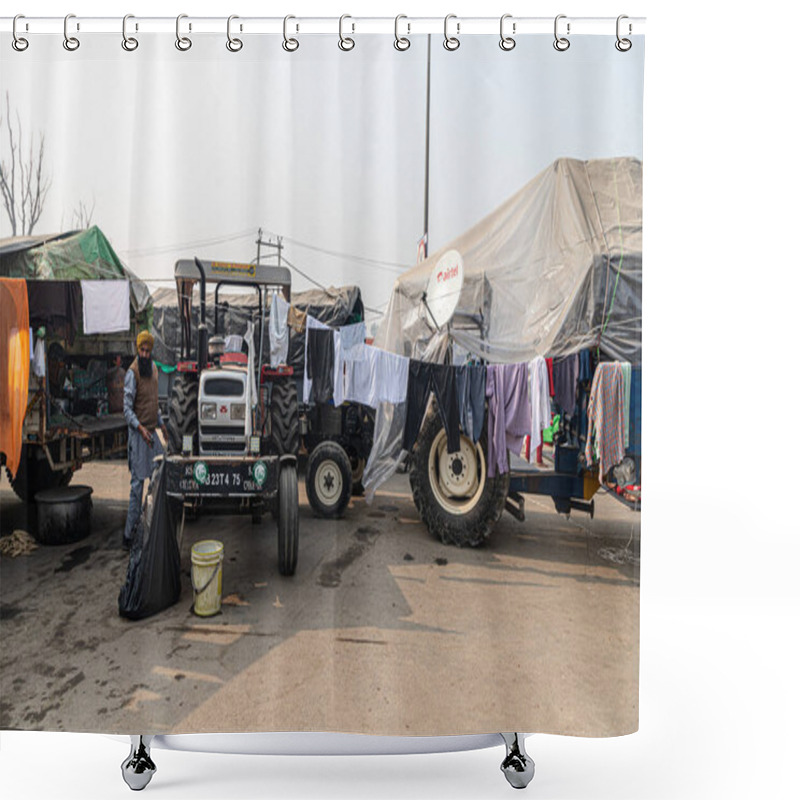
[[106, 306]]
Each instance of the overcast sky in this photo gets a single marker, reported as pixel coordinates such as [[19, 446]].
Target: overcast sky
[[185, 154]]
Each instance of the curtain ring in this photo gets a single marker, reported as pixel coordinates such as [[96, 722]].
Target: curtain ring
[[289, 45], [400, 42], [233, 44], [183, 43], [451, 42], [507, 42], [623, 45], [70, 42], [561, 43], [19, 43], [345, 42], [129, 43]]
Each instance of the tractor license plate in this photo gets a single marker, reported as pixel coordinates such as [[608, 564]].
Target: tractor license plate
[[209, 478]]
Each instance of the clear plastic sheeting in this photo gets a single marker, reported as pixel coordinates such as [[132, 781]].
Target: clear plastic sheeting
[[387, 447], [555, 269]]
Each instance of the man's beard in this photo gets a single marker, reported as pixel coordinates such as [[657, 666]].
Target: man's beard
[[145, 367]]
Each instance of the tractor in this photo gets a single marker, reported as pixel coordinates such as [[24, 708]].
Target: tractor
[[233, 422]]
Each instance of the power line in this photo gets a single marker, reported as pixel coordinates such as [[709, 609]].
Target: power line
[[173, 248], [389, 266]]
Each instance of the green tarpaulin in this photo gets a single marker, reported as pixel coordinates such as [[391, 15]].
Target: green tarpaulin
[[81, 255]]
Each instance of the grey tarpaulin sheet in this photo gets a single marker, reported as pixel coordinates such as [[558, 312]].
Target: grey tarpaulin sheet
[[554, 269], [334, 306]]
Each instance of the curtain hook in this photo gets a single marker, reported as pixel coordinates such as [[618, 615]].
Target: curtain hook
[[507, 42], [290, 45], [233, 44], [19, 43], [71, 43], [451, 42], [345, 42], [623, 45], [561, 43], [129, 43], [401, 43], [183, 43]]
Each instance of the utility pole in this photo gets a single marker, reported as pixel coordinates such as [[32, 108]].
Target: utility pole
[[427, 145]]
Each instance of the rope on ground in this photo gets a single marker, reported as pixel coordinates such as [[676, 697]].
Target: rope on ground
[[19, 543]]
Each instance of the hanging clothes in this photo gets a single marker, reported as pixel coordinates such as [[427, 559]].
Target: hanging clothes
[[319, 364], [471, 388], [379, 377], [106, 306], [540, 402], [296, 319], [353, 341], [424, 378], [311, 324], [278, 330], [565, 382], [626, 423], [56, 305], [606, 417], [508, 393], [550, 384]]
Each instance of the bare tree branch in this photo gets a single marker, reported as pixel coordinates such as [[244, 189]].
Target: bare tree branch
[[23, 182]]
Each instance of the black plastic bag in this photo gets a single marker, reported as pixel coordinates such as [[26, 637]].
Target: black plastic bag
[[153, 582]]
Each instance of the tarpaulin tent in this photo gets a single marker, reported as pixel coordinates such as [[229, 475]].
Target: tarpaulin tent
[[555, 269], [335, 306], [74, 256]]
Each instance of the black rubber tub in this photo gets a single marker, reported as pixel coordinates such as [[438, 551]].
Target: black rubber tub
[[64, 514]]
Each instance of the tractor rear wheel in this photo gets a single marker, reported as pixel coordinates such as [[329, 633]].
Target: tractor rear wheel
[[284, 417], [453, 493], [183, 413]]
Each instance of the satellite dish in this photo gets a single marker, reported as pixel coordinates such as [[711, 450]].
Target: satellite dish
[[444, 289]]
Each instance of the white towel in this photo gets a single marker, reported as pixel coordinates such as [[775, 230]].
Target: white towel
[[106, 306]]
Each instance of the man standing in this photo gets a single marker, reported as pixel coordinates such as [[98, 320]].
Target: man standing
[[140, 405]]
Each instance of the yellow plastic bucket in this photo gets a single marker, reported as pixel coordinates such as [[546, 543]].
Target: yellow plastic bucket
[[207, 577]]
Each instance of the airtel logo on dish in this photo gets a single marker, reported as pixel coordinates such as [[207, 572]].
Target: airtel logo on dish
[[447, 274]]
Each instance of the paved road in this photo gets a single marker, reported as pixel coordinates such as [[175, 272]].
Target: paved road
[[382, 630]]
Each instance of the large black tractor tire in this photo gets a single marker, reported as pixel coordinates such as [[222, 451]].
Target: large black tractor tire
[[183, 413], [453, 493], [329, 480], [35, 474], [288, 519], [284, 417]]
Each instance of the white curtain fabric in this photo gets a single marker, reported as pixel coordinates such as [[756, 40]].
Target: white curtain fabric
[[384, 629]]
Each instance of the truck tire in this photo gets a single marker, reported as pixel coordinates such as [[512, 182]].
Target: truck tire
[[284, 417], [329, 480], [35, 474], [288, 519], [454, 495], [182, 419]]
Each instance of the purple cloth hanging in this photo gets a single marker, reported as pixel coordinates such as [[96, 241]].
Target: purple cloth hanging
[[509, 413]]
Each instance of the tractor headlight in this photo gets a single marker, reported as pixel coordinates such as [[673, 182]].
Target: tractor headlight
[[255, 445], [187, 444], [208, 410], [238, 410]]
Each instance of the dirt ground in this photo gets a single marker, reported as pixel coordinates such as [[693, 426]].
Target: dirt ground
[[383, 629]]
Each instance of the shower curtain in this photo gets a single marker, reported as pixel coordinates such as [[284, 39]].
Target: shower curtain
[[425, 602]]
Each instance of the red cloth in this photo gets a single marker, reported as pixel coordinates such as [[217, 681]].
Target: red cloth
[[550, 376]]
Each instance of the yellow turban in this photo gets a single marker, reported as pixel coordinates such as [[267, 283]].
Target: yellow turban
[[146, 338]]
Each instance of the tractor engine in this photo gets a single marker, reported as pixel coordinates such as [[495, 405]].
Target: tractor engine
[[224, 421]]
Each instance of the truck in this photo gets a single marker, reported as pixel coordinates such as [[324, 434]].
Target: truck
[[74, 409]]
